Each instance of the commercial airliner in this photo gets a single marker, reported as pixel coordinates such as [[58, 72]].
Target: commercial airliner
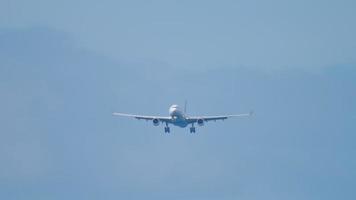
[[179, 118]]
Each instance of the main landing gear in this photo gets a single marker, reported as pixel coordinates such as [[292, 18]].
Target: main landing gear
[[167, 129], [192, 129]]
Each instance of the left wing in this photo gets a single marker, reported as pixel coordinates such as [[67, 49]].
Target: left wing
[[145, 117], [214, 118]]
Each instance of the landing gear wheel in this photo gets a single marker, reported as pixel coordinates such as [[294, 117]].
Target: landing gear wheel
[[167, 129], [192, 130]]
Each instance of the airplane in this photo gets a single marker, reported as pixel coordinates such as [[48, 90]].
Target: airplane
[[179, 118]]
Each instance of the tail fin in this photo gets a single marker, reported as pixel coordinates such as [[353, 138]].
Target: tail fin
[[185, 107]]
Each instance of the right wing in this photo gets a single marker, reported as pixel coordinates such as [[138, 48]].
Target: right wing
[[145, 117], [214, 118]]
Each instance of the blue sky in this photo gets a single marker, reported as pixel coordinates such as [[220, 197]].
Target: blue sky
[[65, 66], [201, 34]]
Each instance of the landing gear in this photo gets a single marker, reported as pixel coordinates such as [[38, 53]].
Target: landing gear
[[192, 129], [167, 129]]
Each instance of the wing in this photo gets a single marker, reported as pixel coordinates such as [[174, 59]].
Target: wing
[[214, 118], [145, 117]]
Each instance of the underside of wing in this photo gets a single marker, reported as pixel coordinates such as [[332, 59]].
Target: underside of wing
[[217, 117], [145, 117]]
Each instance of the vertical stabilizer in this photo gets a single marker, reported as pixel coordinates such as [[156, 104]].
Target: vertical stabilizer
[[185, 107]]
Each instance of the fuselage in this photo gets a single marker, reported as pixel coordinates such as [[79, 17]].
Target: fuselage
[[178, 116]]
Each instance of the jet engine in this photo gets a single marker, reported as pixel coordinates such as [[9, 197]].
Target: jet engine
[[155, 122], [200, 122]]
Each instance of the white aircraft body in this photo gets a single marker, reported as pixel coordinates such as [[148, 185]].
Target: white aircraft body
[[179, 118]]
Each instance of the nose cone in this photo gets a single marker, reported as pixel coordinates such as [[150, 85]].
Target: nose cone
[[173, 110], [174, 106]]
